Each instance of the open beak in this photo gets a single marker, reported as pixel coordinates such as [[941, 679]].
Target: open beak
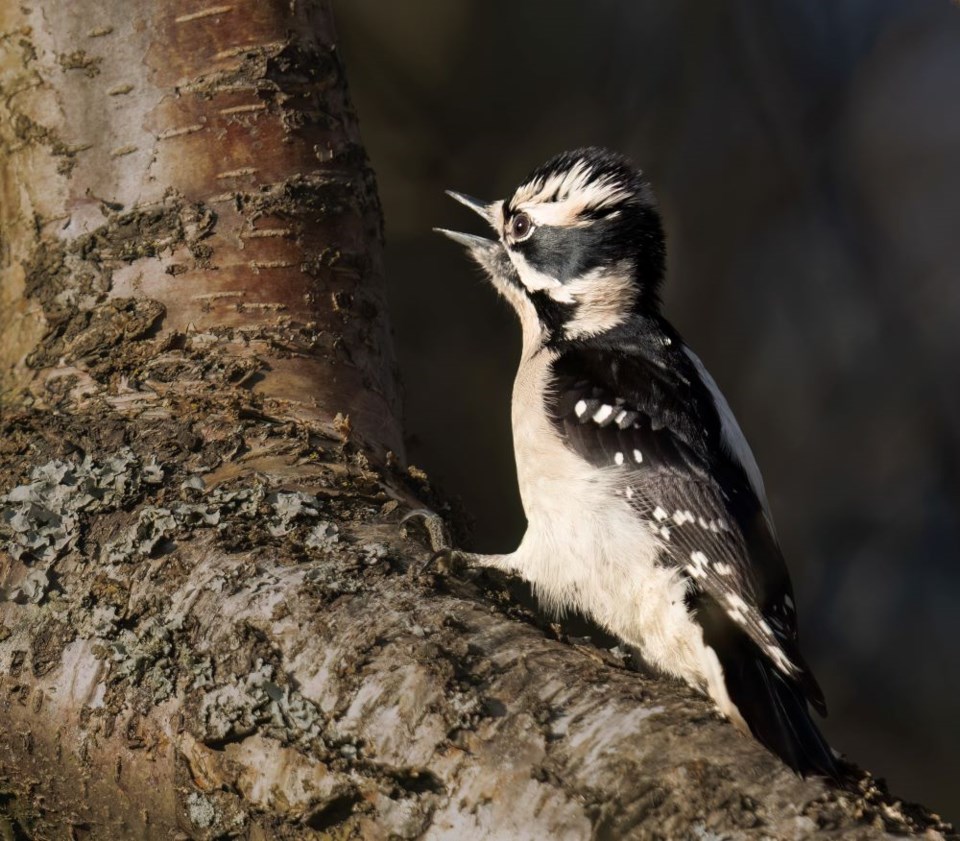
[[479, 247], [468, 241], [481, 208], [489, 253]]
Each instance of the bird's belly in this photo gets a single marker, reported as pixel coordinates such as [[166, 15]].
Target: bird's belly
[[586, 549]]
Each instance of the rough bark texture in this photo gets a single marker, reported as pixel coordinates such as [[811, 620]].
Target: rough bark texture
[[212, 623], [193, 174]]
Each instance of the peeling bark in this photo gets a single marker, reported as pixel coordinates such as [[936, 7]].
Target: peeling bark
[[213, 625], [199, 163]]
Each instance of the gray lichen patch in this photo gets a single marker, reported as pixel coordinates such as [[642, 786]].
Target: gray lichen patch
[[202, 811], [145, 658], [324, 536], [372, 553], [255, 702], [31, 589], [41, 519], [153, 525], [237, 509], [116, 513], [289, 508]]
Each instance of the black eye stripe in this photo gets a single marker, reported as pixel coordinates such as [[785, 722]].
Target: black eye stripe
[[565, 253]]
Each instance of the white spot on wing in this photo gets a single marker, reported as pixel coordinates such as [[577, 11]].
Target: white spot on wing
[[737, 609], [659, 514], [580, 408], [603, 413], [780, 659], [698, 567], [637, 456], [618, 458]]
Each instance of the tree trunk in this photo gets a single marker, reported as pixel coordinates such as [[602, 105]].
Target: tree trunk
[[212, 622]]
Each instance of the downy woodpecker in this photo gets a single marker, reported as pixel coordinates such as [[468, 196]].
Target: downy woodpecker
[[645, 507]]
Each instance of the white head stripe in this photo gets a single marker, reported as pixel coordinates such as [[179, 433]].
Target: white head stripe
[[566, 195]]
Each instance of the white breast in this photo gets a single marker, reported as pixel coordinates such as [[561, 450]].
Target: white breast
[[585, 548]]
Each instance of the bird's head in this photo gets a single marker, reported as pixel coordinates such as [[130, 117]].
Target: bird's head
[[579, 244]]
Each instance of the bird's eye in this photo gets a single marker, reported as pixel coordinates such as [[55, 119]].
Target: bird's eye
[[521, 226]]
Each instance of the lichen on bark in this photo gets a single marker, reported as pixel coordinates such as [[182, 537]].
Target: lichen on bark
[[201, 622]]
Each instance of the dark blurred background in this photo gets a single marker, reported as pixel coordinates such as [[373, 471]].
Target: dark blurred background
[[807, 160]]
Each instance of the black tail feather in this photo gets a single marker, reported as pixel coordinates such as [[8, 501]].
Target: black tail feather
[[789, 731], [773, 705]]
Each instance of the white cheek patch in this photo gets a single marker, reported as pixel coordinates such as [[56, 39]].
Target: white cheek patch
[[534, 280], [604, 297]]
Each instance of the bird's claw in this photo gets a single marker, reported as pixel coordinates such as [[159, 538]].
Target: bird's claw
[[443, 558], [436, 529]]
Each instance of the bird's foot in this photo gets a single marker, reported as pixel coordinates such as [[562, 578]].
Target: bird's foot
[[444, 558], [447, 559]]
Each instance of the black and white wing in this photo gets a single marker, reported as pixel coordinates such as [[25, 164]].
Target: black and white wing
[[649, 411]]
